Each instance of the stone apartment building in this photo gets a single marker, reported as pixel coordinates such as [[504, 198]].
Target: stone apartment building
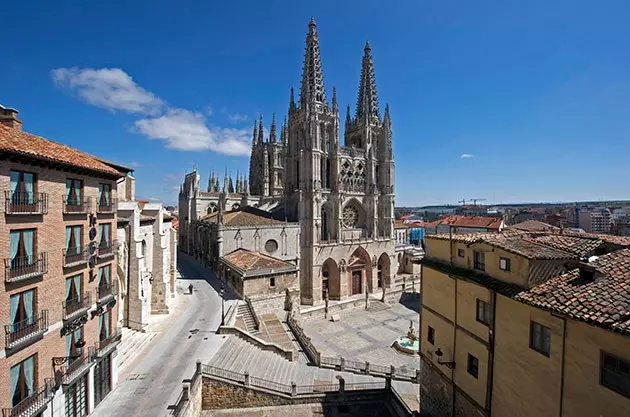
[[147, 257], [524, 325], [57, 305], [597, 220]]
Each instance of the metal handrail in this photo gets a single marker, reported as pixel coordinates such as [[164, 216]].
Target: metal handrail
[[76, 206], [24, 329], [33, 403], [104, 249], [25, 203], [20, 268], [75, 255], [106, 207], [107, 289], [80, 302]]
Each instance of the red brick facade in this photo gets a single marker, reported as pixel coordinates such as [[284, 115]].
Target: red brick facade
[[50, 289]]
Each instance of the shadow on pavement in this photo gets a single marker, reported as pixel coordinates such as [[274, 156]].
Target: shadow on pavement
[[411, 301]]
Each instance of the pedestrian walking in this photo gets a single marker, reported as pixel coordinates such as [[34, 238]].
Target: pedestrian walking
[[190, 288]]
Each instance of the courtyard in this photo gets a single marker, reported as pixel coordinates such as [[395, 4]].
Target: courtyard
[[368, 335]]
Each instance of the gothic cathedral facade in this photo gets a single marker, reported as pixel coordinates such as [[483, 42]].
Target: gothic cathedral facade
[[341, 194]]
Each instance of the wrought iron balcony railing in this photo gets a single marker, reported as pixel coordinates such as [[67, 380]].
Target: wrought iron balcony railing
[[25, 267], [74, 306], [104, 206], [75, 256], [75, 366], [106, 248], [106, 345], [106, 290], [76, 205], [34, 403], [25, 203], [21, 332]]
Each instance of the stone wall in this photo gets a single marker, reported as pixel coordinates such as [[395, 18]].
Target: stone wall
[[219, 395], [270, 303]]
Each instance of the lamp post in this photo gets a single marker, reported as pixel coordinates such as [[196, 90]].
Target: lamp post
[[222, 292]]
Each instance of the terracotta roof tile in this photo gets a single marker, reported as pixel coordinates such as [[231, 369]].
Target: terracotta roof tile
[[19, 142], [574, 244], [534, 225], [249, 261], [603, 300]]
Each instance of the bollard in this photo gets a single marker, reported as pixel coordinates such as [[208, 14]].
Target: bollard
[[293, 389], [246, 379], [367, 367], [342, 364]]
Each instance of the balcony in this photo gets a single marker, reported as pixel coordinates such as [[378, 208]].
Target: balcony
[[75, 256], [77, 306], [33, 404], [76, 366], [76, 206], [106, 291], [26, 267], [105, 207], [106, 250], [25, 203], [23, 332], [105, 346]]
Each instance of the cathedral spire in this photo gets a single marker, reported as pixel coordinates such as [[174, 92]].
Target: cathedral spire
[[261, 135], [238, 181], [367, 101], [283, 132], [254, 136], [225, 181], [292, 107], [272, 130], [335, 106], [312, 89]]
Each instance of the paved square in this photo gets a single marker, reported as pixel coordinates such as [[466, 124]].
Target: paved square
[[363, 335]]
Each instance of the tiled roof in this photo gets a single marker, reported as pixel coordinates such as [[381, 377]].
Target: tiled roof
[[241, 218], [577, 245], [249, 261], [517, 243], [477, 221], [604, 300], [400, 225], [527, 247], [534, 225], [615, 240], [15, 141]]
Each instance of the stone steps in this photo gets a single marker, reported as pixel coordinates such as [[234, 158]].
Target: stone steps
[[240, 356], [377, 305], [132, 344], [246, 314]]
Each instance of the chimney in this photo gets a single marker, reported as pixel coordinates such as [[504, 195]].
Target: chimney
[[8, 117]]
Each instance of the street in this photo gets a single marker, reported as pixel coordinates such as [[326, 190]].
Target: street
[[154, 381]]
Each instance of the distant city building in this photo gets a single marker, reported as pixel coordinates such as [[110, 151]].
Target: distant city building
[[596, 220]]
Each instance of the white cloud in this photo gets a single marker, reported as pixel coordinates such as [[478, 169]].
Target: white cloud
[[110, 88], [238, 118], [466, 156], [187, 131], [114, 89]]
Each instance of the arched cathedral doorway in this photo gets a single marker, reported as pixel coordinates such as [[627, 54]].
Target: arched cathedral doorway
[[359, 272]]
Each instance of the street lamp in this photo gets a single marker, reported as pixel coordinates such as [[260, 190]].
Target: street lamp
[[221, 293], [439, 353]]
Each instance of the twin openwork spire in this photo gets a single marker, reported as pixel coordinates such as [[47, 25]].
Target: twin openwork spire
[[367, 100], [312, 74]]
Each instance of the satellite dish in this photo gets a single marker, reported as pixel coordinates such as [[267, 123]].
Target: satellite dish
[[92, 233], [92, 262], [92, 248]]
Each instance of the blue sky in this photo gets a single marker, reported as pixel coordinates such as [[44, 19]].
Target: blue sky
[[537, 93]]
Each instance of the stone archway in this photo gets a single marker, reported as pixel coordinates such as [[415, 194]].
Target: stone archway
[[330, 279], [359, 272], [384, 271]]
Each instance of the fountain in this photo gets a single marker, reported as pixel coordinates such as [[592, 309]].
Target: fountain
[[409, 344]]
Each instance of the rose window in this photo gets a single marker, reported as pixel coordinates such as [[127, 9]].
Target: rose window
[[350, 217]]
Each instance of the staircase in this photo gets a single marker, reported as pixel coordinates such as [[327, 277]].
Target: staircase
[[246, 314], [377, 305], [132, 344], [240, 356]]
